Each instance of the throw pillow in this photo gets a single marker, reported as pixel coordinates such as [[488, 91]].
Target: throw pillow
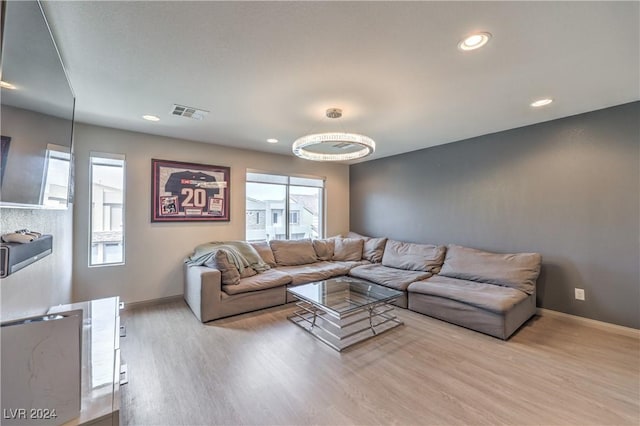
[[248, 272], [228, 271], [374, 249], [348, 249], [264, 250], [324, 248]]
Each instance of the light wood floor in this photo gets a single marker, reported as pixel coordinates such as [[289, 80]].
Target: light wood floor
[[259, 368]]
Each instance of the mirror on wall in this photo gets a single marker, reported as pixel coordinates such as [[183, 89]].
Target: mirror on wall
[[37, 107]]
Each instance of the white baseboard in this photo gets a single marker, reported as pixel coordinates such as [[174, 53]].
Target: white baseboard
[[613, 328]]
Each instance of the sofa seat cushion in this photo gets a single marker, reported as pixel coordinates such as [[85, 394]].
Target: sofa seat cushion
[[318, 271], [267, 279], [389, 277], [518, 270], [491, 297], [413, 257], [350, 264]]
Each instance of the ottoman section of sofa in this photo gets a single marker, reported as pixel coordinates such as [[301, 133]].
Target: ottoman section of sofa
[[491, 309]]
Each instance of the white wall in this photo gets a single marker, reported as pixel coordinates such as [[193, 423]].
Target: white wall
[[47, 282], [154, 251]]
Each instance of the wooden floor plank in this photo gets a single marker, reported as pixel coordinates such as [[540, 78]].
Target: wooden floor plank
[[258, 368]]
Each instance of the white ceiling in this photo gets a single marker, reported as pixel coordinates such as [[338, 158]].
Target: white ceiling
[[31, 63], [270, 69]]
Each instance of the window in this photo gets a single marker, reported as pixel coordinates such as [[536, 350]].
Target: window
[[107, 209], [56, 187], [278, 198], [294, 218]]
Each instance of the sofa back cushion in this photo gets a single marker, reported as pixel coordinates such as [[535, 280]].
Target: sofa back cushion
[[351, 234], [348, 249], [516, 270], [324, 248], [413, 257], [264, 250], [373, 249], [293, 252]]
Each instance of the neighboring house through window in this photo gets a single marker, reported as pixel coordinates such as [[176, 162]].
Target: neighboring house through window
[[274, 198], [56, 188]]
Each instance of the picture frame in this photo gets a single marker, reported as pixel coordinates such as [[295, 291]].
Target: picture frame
[[189, 192]]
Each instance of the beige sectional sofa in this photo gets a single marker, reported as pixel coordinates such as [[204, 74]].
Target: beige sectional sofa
[[215, 290], [488, 292]]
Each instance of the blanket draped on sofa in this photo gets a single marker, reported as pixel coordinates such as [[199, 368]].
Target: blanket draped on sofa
[[240, 253]]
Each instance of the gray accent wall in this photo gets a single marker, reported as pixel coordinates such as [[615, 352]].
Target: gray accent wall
[[568, 189]]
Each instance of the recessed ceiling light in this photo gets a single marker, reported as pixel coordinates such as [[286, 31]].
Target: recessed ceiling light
[[151, 117], [474, 41], [272, 140], [6, 85], [541, 102]]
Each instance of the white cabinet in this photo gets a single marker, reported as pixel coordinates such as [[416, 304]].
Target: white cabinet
[[41, 369], [100, 360]]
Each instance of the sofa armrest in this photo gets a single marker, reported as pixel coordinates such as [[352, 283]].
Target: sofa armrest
[[202, 291]]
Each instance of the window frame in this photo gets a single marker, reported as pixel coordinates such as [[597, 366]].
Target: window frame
[[287, 183], [107, 156], [59, 153]]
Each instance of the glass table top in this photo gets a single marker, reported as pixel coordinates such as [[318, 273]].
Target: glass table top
[[343, 295]]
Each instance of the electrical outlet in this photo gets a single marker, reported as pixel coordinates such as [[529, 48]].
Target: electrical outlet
[[579, 293]]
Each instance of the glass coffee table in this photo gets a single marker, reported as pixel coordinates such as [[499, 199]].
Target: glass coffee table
[[343, 311]]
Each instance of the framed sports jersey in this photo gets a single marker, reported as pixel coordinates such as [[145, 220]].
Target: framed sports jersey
[[187, 192]]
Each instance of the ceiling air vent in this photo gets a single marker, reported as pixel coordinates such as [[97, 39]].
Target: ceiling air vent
[[188, 112]]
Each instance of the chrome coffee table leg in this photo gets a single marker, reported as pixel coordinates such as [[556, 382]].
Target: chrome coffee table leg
[[373, 330], [315, 315]]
